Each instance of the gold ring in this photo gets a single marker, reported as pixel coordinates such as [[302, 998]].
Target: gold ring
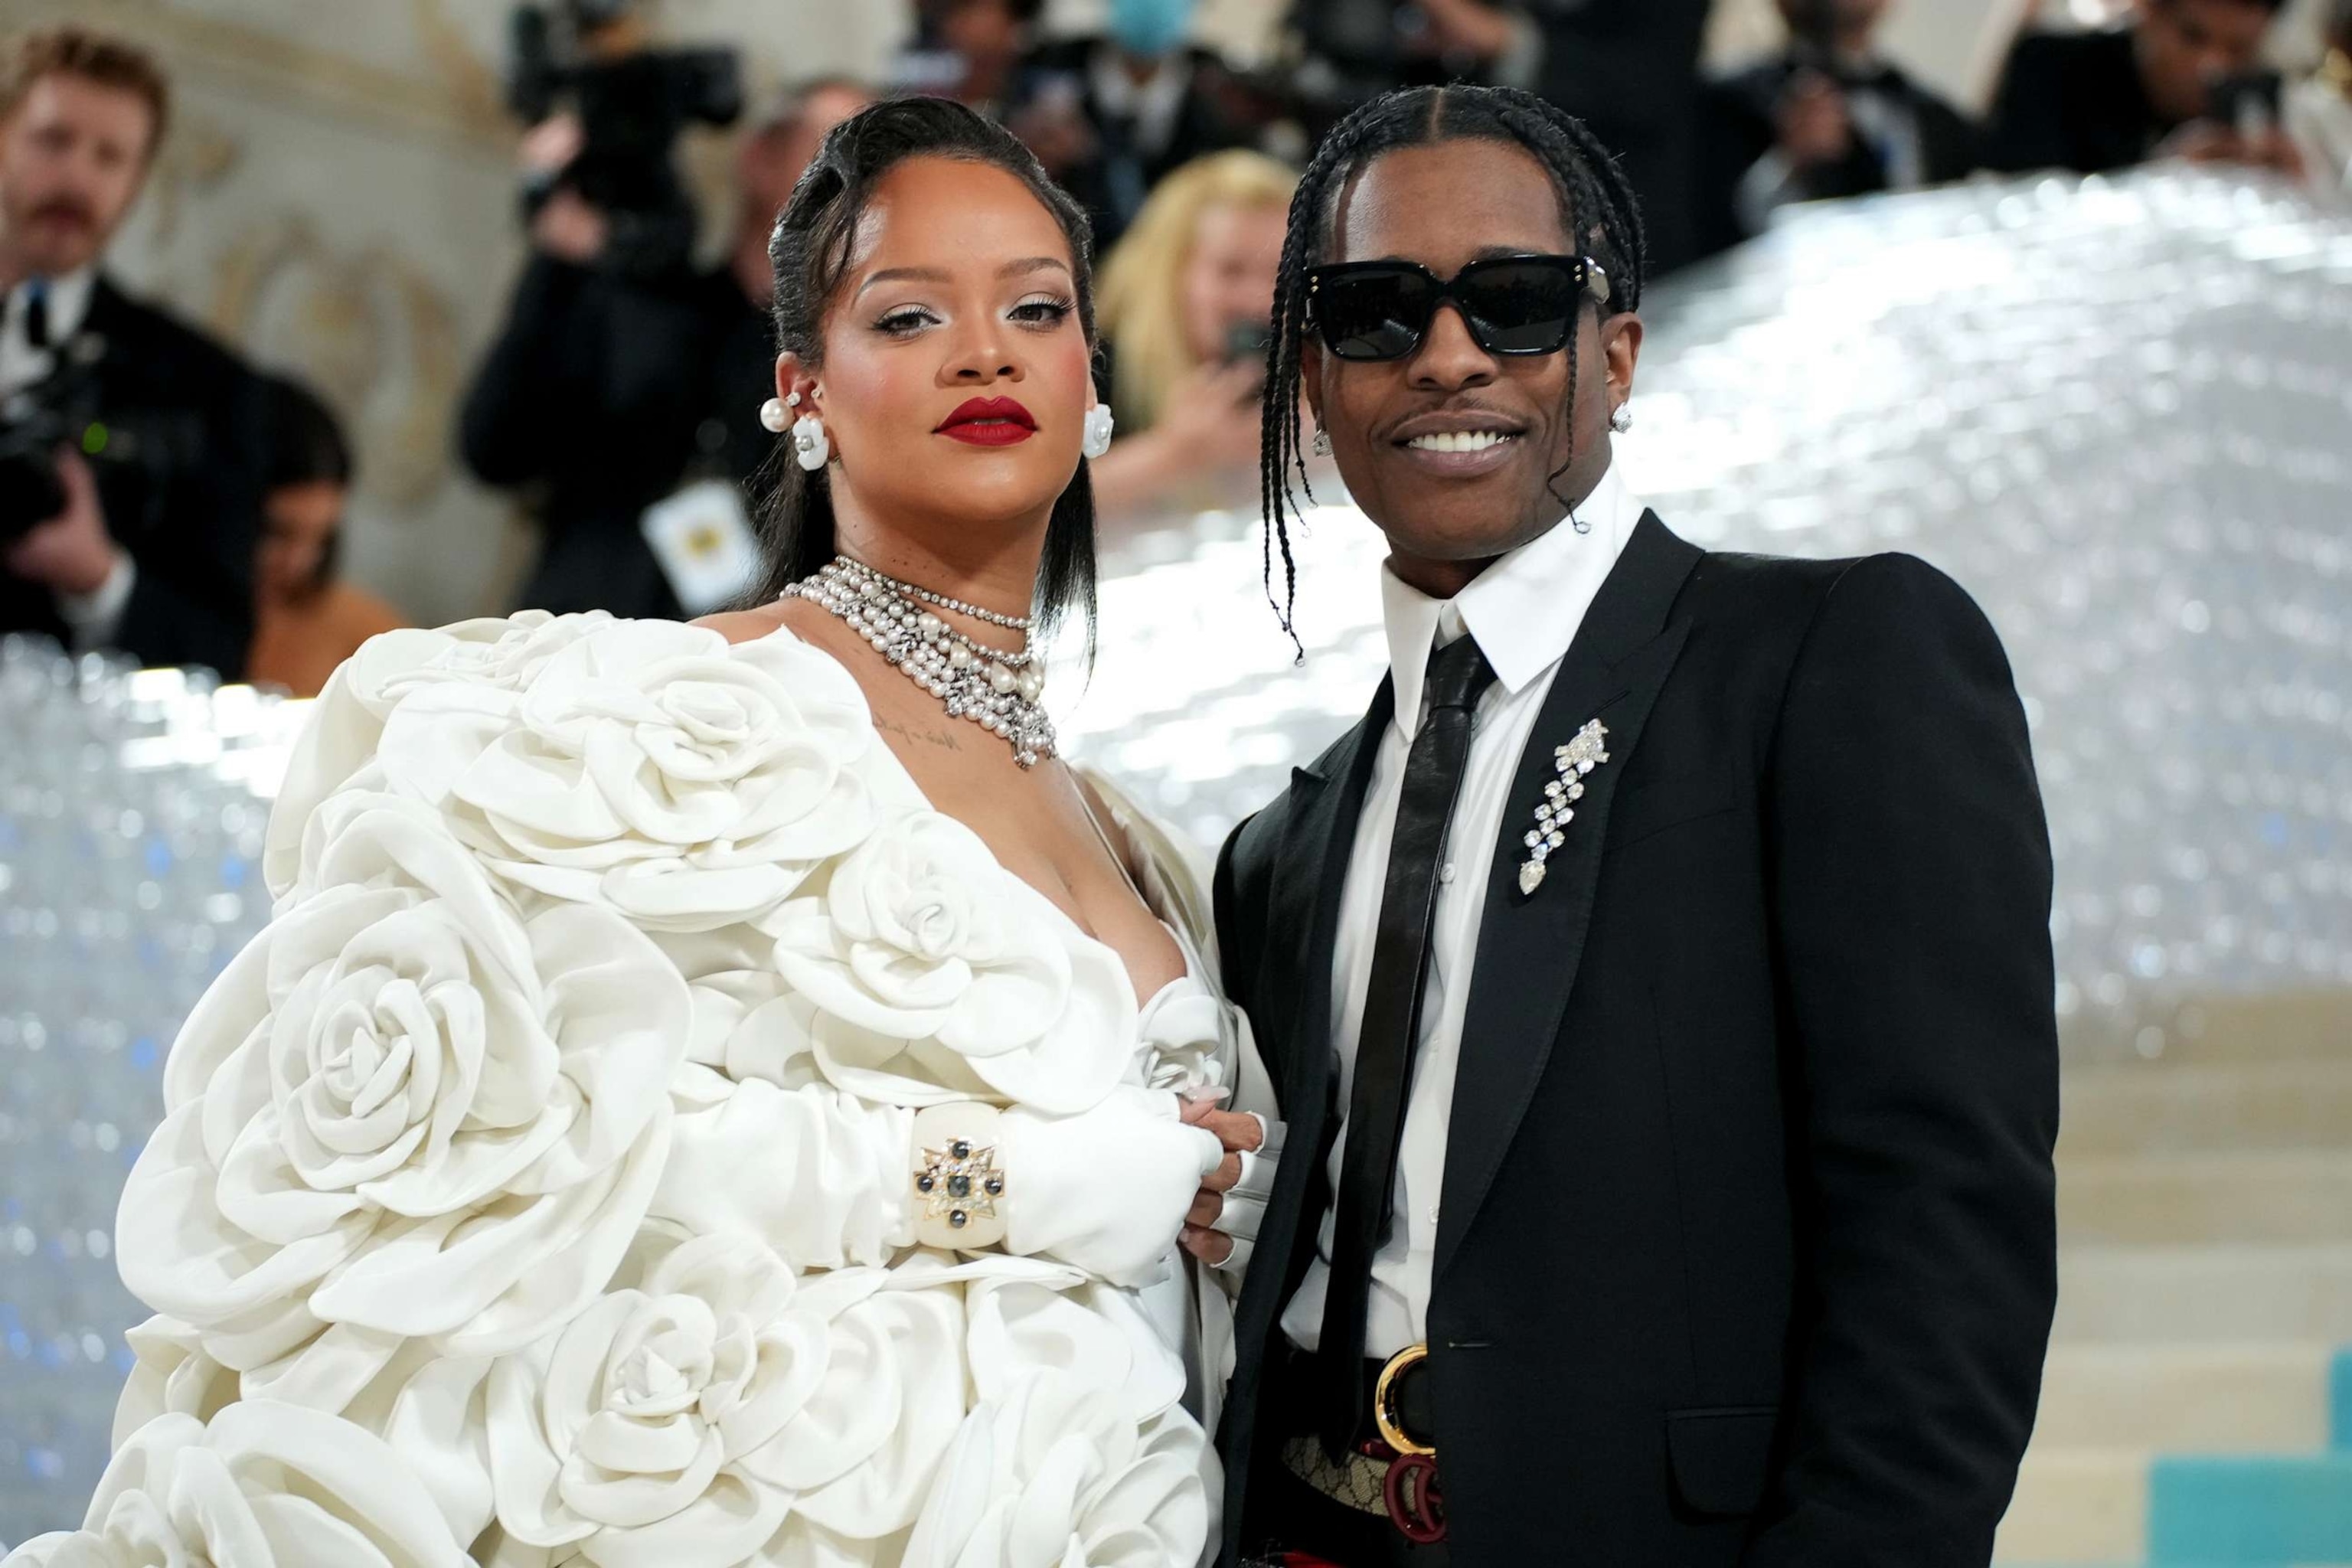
[[1382, 1416]]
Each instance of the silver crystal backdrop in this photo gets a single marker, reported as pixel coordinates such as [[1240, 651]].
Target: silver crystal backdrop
[[2116, 411]]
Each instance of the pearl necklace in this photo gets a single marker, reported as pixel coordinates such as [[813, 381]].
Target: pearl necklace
[[998, 691]]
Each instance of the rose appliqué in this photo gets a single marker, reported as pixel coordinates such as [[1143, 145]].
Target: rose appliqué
[[649, 768], [403, 1111], [936, 975]]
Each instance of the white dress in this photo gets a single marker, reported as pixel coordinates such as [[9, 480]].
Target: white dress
[[536, 1186]]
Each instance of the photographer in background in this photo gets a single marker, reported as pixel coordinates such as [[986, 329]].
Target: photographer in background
[[2183, 79], [609, 393], [1183, 309], [129, 443], [1828, 116], [1628, 69]]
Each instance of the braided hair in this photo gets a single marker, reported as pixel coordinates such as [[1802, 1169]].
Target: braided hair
[[1597, 206]]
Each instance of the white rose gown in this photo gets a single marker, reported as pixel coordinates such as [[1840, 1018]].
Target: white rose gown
[[535, 1187]]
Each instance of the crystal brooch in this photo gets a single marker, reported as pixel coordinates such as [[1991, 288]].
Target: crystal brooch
[[1573, 761]]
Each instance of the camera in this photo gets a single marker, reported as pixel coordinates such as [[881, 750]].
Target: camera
[[134, 452], [632, 100]]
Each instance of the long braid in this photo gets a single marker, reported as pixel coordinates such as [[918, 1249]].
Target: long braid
[[1599, 211]]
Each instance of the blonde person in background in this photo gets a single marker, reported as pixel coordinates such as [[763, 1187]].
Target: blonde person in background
[[2319, 114], [305, 618], [1185, 298]]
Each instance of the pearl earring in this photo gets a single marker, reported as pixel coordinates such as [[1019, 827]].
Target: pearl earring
[[1623, 420], [772, 414], [1096, 438], [810, 447]]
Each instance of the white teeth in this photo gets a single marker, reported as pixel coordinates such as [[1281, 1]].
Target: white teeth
[[1458, 441]]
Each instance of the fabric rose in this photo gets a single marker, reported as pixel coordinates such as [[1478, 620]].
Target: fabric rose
[[1056, 1471], [649, 768], [936, 975], [402, 1111], [693, 1417], [262, 1486], [346, 723]]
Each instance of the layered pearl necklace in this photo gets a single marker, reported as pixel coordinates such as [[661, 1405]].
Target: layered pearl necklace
[[998, 691]]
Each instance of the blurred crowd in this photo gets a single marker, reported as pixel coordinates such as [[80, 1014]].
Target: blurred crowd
[[161, 497]]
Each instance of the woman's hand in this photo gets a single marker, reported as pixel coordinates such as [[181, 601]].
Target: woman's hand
[[1240, 1134], [1108, 1189]]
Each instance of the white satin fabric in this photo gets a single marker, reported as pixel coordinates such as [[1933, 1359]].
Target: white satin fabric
[[534, 1188]]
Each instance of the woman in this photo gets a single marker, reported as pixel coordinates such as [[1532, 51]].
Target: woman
[[706, 1098], [306, 619], [1184, 303]]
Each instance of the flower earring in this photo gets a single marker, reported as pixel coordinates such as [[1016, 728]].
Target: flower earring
[[810, 447], [1096, 441]]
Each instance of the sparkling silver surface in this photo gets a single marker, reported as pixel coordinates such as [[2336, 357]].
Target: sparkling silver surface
[[131, 808], [2119, 412]]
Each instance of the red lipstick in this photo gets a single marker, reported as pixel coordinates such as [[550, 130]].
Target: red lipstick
[[989, 421]]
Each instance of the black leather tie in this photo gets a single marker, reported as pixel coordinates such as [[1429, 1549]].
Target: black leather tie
[[1458, 675]]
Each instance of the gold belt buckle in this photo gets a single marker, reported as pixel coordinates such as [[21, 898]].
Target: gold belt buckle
[[1384, 1414]]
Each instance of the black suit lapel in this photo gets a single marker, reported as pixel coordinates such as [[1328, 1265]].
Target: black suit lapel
[[1530, 946], [1310, 873]]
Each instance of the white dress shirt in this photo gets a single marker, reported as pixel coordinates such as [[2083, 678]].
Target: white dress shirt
[[1524, 610], [92, 617]]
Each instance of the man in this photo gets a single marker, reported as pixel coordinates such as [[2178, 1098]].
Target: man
[[1629, 70], [1828, 116], [606, 393], [2099, 102], [1657, 981], [159, 459], [1111, 115]]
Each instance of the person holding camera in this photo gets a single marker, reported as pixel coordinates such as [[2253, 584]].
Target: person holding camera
[[1186, 296], [1827, 117], [611, 391], [130, 443], [2182, 79]]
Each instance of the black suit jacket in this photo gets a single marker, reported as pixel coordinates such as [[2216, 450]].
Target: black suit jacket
[[2072, 100], [1747, 1250], [1739, 123], [189, 513], [599, 397]]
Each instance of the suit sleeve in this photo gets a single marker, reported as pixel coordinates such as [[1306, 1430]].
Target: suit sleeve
[[2027, 128], [1910, 902], [528, 392]]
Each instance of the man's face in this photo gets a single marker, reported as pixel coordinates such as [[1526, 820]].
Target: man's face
[[71, 161], [1444, 207], [2185, 46]]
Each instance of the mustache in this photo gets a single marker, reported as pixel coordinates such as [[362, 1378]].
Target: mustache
[[71, 208]]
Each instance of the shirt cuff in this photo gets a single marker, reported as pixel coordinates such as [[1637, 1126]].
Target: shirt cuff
[[95, 617], [1771, 183]]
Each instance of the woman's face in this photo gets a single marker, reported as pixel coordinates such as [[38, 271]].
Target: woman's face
[[955, 379], [1229, 277], [297, 523]]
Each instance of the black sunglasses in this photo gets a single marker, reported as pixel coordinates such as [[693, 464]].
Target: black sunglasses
[[1512, 304]]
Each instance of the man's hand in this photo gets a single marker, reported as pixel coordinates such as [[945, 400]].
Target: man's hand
[[565, 227], [1241, 1133], [71, 553], [1814, 127], [2209, 141], [1469, 27]]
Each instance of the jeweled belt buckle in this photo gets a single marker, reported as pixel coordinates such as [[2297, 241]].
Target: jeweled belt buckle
[[1415, 1502]]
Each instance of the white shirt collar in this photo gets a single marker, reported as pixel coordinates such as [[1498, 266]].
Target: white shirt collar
[[21, 364], [1524, 610]]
